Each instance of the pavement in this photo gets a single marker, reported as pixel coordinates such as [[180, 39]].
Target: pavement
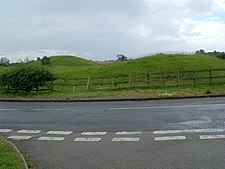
[[156, 134]]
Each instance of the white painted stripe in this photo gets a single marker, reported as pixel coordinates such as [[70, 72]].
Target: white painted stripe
[[94, 133], [19, 137], [51, 138], [188, 131], [166, 107], [205, 137], [128, 139], [60, 132], [87, 139], [5, 130], [29, 131], [170, 138], [9, 109], [46, 109], [128, 133]]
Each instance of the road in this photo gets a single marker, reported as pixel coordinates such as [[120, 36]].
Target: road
[[159, 134]]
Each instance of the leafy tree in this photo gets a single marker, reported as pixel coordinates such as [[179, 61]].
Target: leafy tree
[[201, 51], [26, 77], [121, 57], [45, 60], [4, 62]]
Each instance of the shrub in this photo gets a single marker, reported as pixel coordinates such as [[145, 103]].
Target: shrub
[[26, 77]]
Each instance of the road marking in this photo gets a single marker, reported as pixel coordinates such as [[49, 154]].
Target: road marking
[[94, 133], [128, 139], [128, 133], [29, 131], [46, 109], [188, 131], [19, 137], [205, 137], [51, 138], [60, 132], [87, 139], [166, 107], [9, 109], [170, 138], [5, 130]]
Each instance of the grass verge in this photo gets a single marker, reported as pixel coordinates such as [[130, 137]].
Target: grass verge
[[126, 93], [9, 159]]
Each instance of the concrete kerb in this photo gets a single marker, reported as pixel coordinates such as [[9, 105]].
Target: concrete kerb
[[105, 99]]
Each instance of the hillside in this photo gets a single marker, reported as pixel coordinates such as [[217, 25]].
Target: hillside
[[69, 66]]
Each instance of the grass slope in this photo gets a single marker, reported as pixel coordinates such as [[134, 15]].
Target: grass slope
[[8, 157], [68, 66]]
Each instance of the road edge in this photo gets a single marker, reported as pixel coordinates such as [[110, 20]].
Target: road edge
[[105, 99]]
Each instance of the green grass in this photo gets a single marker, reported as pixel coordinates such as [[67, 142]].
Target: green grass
[[8, 157], [68, 66]]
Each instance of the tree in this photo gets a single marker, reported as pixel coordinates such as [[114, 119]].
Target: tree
[[201, 51], [26, 77], [121, 57], [4, 62], [45, 60]]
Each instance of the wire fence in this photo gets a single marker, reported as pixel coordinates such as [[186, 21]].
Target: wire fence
[[164, 79]]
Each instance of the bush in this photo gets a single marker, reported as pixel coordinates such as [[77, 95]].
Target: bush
[[26, 77]]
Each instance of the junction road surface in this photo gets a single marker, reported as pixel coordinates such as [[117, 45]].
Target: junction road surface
[[163, 134]]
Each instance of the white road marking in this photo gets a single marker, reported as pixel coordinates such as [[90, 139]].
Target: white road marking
[[205, 137], [87, 139], [9, 109], [94, 133], [188, 131], [51, 138], [60, 132], [46, 109], [170, 138], [128, 139], [166, 107], [128, 133], [19, 137], [29, 131], [5, 130]]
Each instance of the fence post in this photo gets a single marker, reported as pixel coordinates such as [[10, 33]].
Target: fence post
[[129, 81], [178, 78], [63, 84], [194, 78], [148, 79], [210, 76], [115, 83], [88, 83], [163, 79]]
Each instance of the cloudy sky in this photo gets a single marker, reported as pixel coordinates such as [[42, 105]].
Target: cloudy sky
[[101, 29]]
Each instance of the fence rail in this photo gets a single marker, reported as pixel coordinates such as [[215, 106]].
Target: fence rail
[[164, 79]]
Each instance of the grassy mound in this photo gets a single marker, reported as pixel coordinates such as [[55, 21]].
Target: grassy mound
[[68, 66]]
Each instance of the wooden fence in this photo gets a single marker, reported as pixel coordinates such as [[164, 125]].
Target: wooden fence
[[147, 80]]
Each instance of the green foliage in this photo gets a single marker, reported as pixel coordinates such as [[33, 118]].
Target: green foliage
[[26, 77], [45, 60]]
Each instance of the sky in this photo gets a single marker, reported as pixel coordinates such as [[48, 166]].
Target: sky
[[101, 29]]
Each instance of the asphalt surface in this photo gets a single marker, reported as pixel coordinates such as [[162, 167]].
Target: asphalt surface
[[182, 116]]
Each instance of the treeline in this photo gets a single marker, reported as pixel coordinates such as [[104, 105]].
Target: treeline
[[220, 55], [6, 62]]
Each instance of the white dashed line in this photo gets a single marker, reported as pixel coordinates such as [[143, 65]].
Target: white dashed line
[[94, 133], [188, 131], [5, 130], [170, 138], [19, 137], [59, 132], [205, 137], [51, 138], [128, 133], [29, 131], [87, 139], [130, 139]]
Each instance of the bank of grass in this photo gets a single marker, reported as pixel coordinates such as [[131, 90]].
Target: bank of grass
[[9, 158], [119, 94]]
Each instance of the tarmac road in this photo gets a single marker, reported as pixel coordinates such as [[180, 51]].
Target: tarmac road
[[160, 134]]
